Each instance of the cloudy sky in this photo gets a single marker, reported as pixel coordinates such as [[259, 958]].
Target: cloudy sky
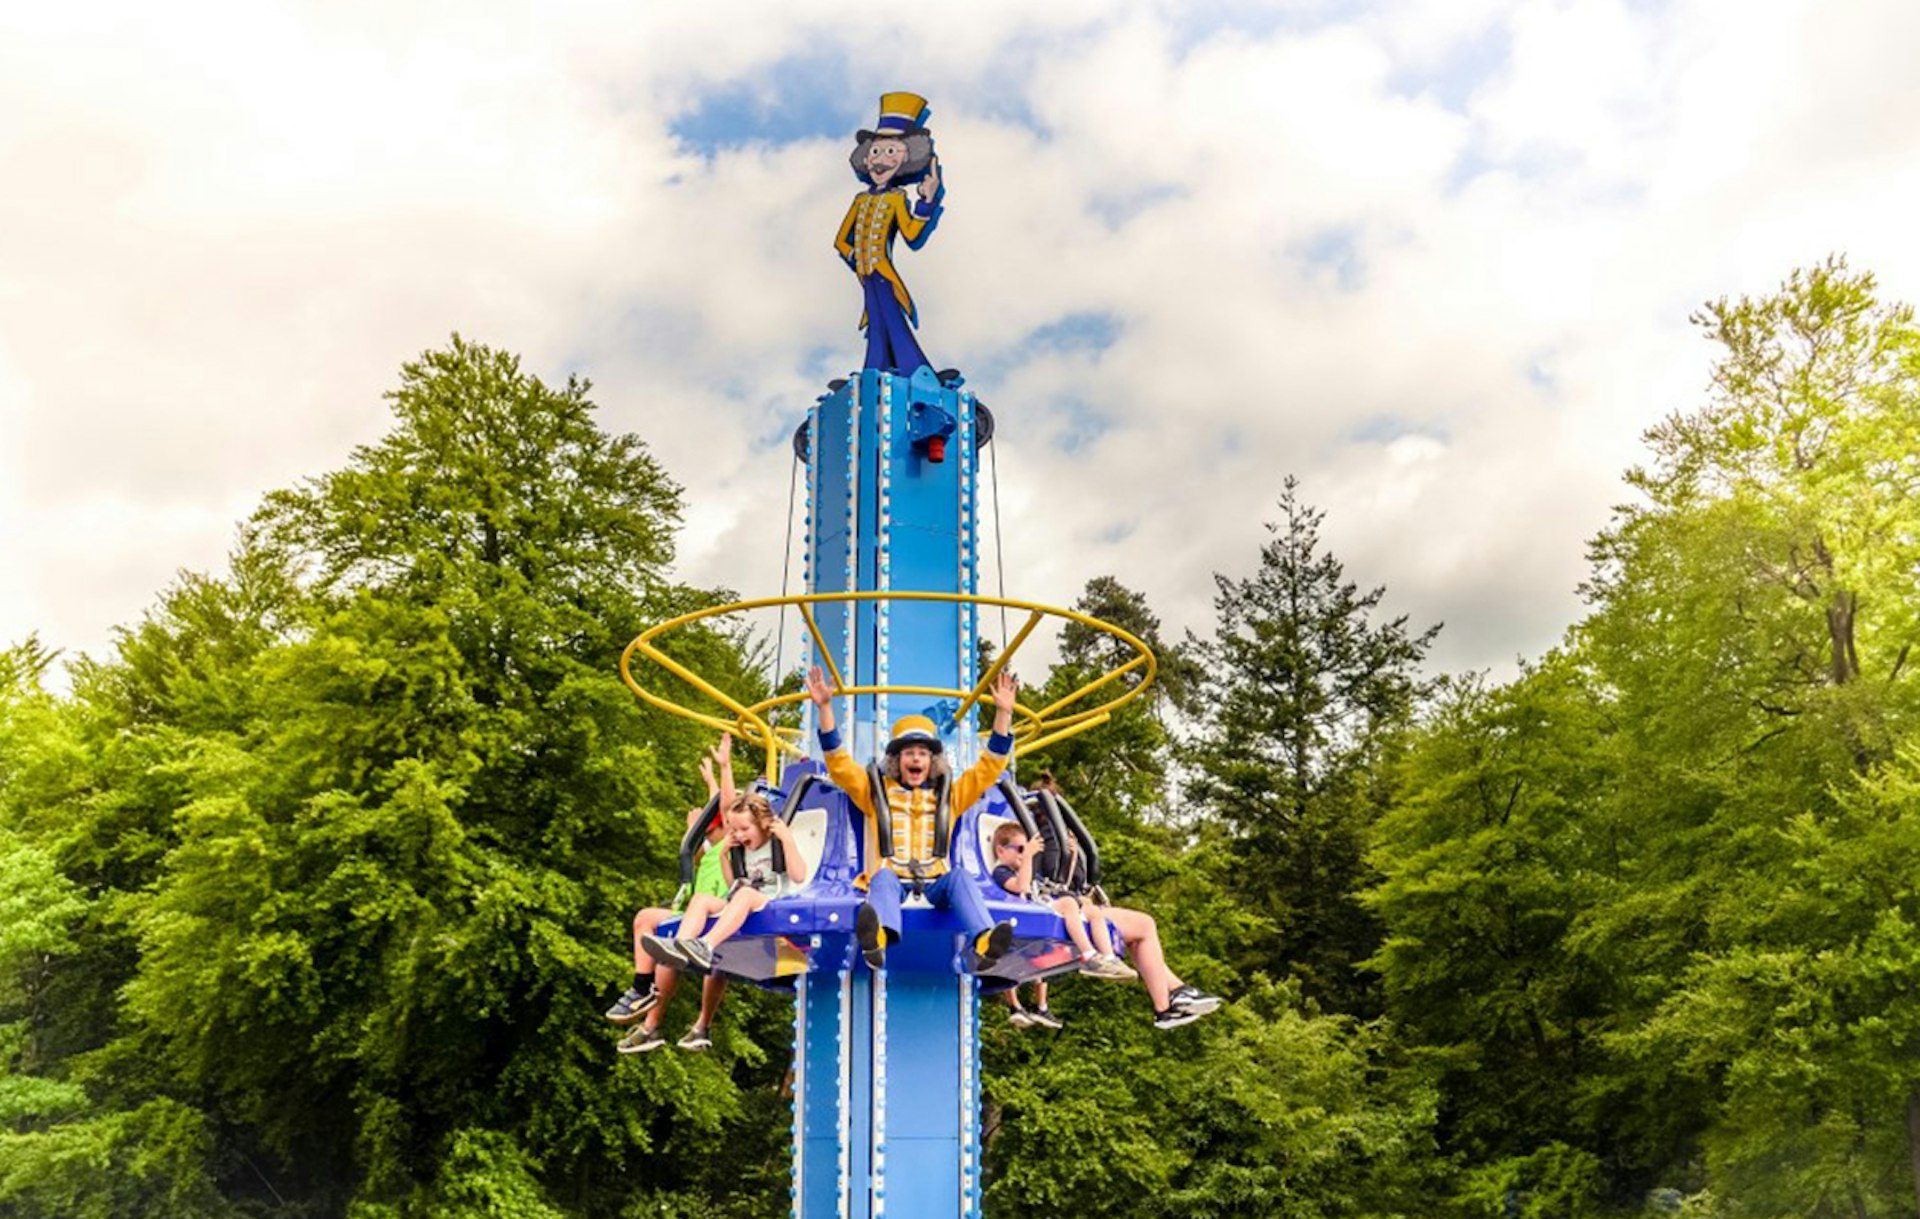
[[1435, 258]]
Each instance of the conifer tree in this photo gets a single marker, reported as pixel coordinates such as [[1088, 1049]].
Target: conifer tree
[[1302, 687]]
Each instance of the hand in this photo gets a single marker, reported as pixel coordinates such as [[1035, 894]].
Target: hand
[[817, 688], [1006, 688], [1034, 846], [930, 185], [722, 753], [706, 772]]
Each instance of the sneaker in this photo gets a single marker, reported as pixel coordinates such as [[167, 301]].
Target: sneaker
[[1044, 1018], [697, 1038], [641, 1041], [1195, 1000], [1173, 1017], [1020, 1018], [1111, 968], [633, 1005], [991, 946], [663, 950], [698, 954], [867, 929]]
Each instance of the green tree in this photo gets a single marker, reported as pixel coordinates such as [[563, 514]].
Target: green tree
[[1803, 1016], [1301, 695], [359, 827], [1753, 618], [1500, 841]]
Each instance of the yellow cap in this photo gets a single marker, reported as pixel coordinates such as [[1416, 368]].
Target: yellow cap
[[914, 730]]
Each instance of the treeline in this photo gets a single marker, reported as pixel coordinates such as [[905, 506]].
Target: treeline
[[311, 892]]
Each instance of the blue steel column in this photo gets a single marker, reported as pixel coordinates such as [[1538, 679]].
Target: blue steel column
[[889, 1063]]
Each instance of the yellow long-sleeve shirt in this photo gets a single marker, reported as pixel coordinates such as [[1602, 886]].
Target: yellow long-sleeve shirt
[[865, 238], [911, 809]]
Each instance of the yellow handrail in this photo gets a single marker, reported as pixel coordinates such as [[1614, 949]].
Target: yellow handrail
[[1035, 729]]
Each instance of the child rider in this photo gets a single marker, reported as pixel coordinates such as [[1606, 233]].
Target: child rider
[[913, 761]]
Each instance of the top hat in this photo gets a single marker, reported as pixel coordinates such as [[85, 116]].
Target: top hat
[[900, 114]]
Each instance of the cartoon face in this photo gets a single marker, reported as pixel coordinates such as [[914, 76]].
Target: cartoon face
[[884, 157], [916, 763]]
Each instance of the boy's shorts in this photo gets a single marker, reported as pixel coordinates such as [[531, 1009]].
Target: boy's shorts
[[707, 878]]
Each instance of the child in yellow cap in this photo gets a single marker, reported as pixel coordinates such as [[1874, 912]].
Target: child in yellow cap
[[908, 776]]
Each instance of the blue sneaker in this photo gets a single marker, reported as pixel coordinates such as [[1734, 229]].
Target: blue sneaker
[[991, 945], [872, 938], [633, 1005], [698, 954], [666, 952]]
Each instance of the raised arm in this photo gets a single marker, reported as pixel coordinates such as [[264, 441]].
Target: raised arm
[[723, 761], [982, 774], [722, 786], [846, 773]]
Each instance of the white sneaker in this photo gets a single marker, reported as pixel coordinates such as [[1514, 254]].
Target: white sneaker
[[1110, 968], [1195, 1000]]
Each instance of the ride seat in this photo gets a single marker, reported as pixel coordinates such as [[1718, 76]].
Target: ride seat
[[810, 836], [979, 858]]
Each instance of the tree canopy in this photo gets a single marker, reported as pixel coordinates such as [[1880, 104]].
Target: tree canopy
[[312, 890]]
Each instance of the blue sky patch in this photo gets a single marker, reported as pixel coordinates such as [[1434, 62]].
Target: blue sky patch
[[1468, 64], [802, 97], [1081, 423], [1202, 20], [1116, 207], [1385, 429], [1335, 249], [1088, 331]]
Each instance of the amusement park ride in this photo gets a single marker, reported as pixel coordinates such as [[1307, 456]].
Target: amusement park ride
[[887, 1062]]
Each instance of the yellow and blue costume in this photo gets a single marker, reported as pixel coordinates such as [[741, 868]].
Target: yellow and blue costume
[[865, 241], [911, 813]]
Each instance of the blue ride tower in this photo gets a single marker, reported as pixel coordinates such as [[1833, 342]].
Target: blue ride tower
[[886, 1071], [887, 1066]]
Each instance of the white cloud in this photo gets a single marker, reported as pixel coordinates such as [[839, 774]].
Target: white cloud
[[1451, 310]]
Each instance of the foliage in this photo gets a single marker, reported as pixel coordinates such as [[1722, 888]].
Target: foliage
[[311, 893], [1301, 695]]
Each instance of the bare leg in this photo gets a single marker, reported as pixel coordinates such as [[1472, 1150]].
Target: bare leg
[[698, 910], [712, 990], [665, 982], [738, 907], [1097, 924], [1143, 938], [1069, 911], [1040, 995], [644, 923]]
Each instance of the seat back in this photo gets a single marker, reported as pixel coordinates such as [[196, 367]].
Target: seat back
[[810, 838]]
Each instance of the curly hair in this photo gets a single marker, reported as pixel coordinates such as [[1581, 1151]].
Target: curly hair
[[919, 142], [756, 806], [939, 770]]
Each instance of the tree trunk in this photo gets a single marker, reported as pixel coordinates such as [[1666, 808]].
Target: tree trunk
[[1846, 660], [1913, 1140]]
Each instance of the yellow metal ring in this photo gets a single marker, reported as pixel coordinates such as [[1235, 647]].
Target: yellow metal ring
[[1033, 730]]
